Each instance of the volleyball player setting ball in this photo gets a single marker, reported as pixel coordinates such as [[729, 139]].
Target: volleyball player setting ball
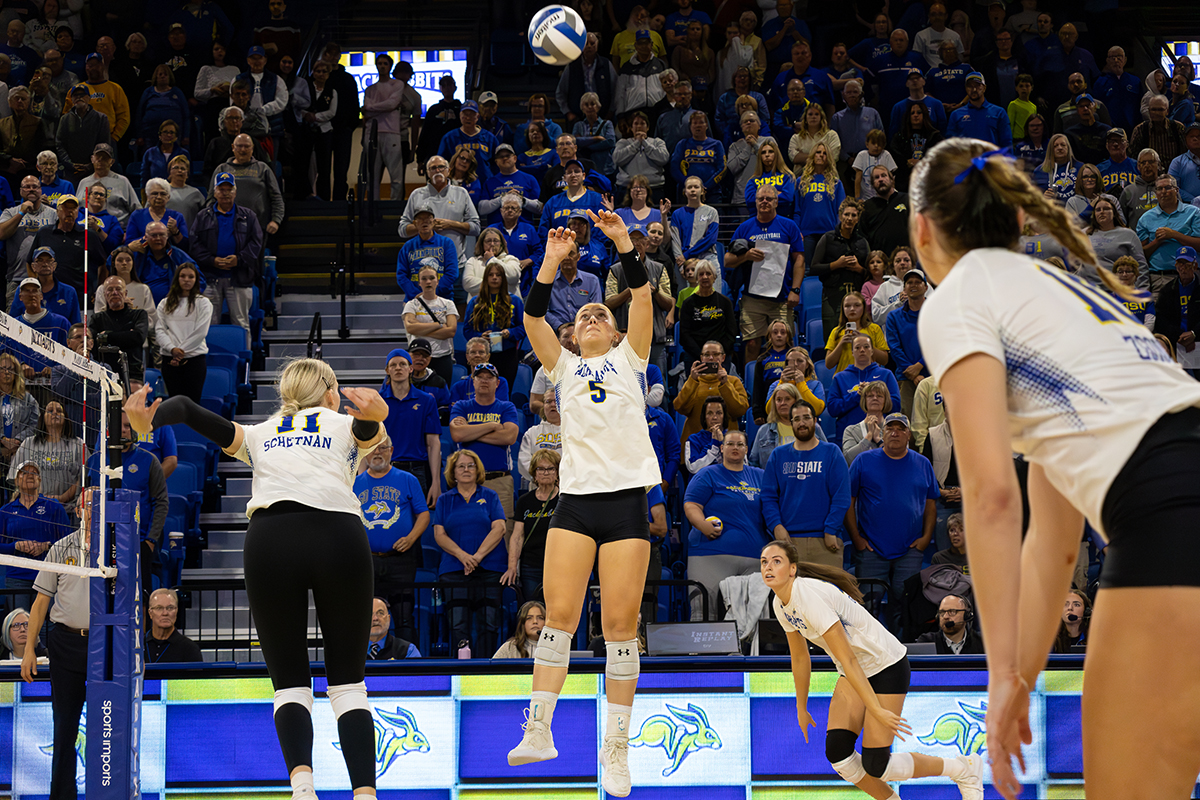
[[1031, 359], [305, 533], [823, 605], [608, 462]]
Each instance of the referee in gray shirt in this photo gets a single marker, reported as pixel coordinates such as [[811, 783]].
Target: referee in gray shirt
[[67, 643]]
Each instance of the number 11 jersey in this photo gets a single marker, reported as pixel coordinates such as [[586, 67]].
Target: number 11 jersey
[[1086, 380], [605, 437]]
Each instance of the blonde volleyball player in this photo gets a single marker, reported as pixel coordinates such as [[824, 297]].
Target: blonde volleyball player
[[607, 464], [823, 605], [305, 533], [1033, 360]]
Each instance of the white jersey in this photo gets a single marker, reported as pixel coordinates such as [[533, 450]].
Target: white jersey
[[1086, 380], [818, 605], [310, 458], [605, 438]]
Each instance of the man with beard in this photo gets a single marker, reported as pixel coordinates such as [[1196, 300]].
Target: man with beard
[[955, 634], [885, 216]]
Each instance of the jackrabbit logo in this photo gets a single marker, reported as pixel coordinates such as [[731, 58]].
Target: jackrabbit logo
[[963, 731], [678, 739], [396, 734]]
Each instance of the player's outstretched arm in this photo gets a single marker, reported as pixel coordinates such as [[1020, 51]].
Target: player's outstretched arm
[[542, 337], [641, 304], [181, 410]]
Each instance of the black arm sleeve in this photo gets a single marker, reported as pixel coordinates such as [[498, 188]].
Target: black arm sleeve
[[635, 270], [364, 429], [538, 302], [183, 410]]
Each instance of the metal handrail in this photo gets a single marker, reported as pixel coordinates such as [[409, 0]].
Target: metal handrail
[[314, 338]]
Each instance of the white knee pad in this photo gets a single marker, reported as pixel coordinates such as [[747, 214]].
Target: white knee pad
[[348, 697], [851, 769], [300, 695], [553, 648], [624, 663], [900, 768]]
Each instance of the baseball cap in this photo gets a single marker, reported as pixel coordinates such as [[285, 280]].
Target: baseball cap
[[1186, 254], [485, 367], [919, 273], [420, 346], [579, 214], [80, 88], [97, 56], [1084, 97], [399, 351], [176, 26], [1115, 133], [915, 71], [505, 148], [33, 464], [105, 149], [68, 198], [897, 417], [641, 34], [424, 208], [488, 97], [470, 105], [975, 76], [225, 178], [29, 282], [576, 162], [1191, 127], [42, 251], [256, 50]]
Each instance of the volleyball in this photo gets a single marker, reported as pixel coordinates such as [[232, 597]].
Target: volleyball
[[716, 523], [557, 35]]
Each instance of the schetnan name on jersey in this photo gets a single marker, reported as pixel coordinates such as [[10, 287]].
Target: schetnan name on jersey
[[299, 440]]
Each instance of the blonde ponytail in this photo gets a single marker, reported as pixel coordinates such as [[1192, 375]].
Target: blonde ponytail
[[303, 383]]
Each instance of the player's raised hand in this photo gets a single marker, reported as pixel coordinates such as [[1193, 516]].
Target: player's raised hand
[[367, 403], [609, 224], [558, 244], [141, 416]]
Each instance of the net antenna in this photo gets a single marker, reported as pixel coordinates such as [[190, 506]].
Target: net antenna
[[36, 371]]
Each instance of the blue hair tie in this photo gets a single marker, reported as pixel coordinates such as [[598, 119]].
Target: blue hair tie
[[978, 162]]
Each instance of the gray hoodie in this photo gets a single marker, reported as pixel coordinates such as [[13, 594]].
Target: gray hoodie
[[1138, 198]]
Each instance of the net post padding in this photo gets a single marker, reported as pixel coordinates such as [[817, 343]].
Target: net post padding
[[115, 662]]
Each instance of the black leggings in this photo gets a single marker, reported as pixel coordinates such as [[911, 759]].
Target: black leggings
[[290, 549], [188, 378]]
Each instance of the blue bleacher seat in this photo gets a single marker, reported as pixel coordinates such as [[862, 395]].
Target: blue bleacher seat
[[458, 372], [184, 480], [519, 396], [824, 374], [460, 346], [228, 339], [814, 335], [153, 378]]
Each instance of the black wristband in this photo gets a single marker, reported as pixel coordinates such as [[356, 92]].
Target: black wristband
[[538, 302], [635, 270], [180, 409], [364, 429]]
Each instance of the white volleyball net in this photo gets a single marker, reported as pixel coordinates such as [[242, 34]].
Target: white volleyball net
[[54, 443]]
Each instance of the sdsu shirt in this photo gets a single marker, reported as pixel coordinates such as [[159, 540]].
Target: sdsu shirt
[[605, 440], [1086, 380], [780, 240], [816, 606], [309, 458]]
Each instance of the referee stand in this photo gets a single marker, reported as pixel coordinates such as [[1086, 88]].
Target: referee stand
[[115, 663]]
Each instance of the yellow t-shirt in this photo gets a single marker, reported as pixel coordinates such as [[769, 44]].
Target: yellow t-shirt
[[878, 339], [622, 46]]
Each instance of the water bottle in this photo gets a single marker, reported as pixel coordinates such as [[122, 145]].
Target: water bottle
[[464, 649]]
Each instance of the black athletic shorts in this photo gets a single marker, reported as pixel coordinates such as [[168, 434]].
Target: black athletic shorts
[[893, 680], [1151, 509], [606, 517]]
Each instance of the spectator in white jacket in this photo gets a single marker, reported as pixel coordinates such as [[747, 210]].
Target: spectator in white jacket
[[183, 319], [489, 247], [641, 154], [639, 83], [547, 435]]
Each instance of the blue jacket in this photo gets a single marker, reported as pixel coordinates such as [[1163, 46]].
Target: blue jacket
[[933, 109], [664, 436], [483, 143], [155, 107], [816, 211], [62, 300], [989, 122], [902, 338], [136, 226], [521, 244], [154, 162], [157, 274], [727, 119], [703, 159], [843, 401], [247, 234], [441, 249]]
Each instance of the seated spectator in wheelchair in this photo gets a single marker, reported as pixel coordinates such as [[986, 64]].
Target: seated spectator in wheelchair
[[531, 519], [164, 643], [531, 618], [469, 526], [723, 503], [382, 645], [956, 553], [1076, 618], [876, 403], [15, 636], [956, 634]]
